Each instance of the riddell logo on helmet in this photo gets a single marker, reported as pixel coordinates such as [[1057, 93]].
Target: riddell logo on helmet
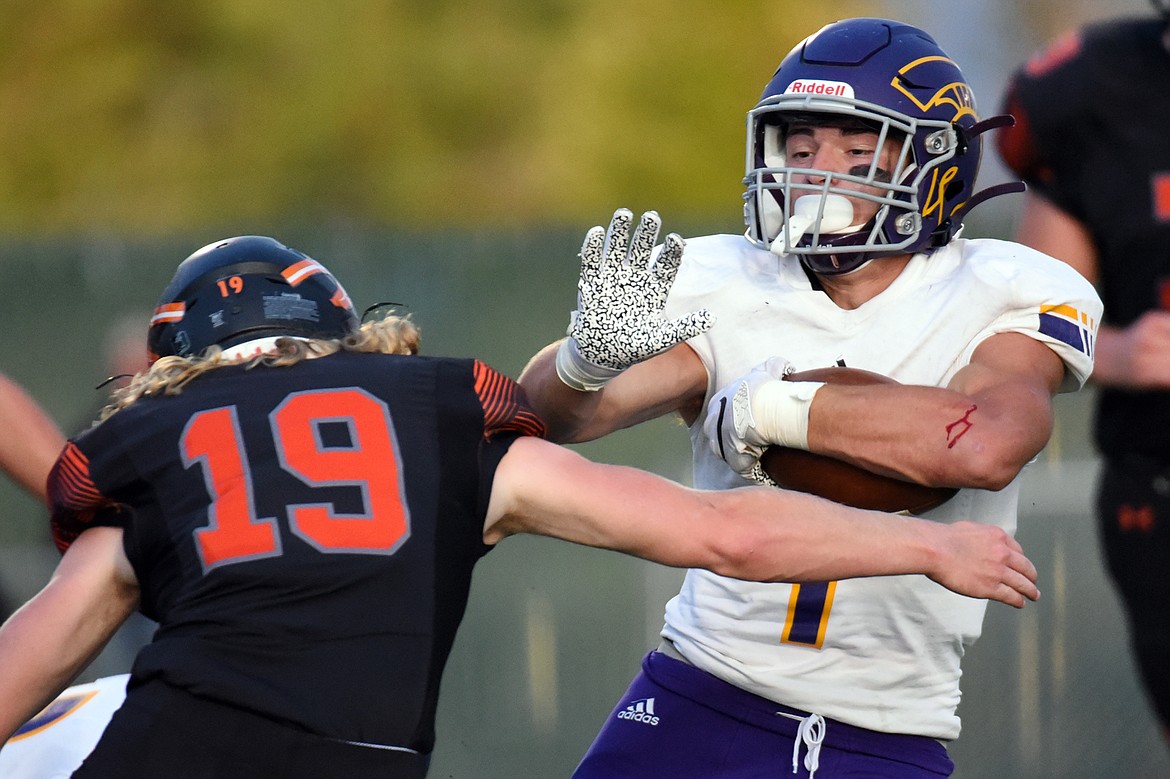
[[809, 87]]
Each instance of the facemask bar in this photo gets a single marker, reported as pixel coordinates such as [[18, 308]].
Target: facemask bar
[[897, 199]]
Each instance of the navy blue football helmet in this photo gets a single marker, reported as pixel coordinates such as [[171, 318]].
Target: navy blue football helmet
[[886, 77], [243, 288]]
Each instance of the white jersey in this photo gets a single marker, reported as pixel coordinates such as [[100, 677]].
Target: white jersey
[[881, 653], [53, 744]]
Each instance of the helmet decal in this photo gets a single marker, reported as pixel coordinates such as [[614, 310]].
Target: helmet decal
[[956, 94], [295, 274], [814, 87], [168, 312]]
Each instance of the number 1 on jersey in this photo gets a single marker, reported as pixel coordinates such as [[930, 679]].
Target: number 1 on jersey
[[213, 439], [808, 613]]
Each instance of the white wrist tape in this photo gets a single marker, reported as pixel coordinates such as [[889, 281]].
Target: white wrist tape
[[780, 411], [577, 372]]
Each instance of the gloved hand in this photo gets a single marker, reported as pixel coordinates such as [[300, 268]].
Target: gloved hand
[[620, 299], [757, 410]]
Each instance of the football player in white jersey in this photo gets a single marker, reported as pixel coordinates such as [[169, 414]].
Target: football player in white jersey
[[862, 158]]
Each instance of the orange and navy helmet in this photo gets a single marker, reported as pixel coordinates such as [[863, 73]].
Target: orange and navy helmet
[[243, 288]]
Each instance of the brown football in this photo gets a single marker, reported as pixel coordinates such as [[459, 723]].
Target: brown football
[[837, 480]]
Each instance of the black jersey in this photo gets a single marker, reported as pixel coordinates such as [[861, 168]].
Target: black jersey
[[304, 536], [1091, 135]]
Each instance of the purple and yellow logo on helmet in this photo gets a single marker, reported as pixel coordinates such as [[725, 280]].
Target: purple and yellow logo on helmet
[[954, 92]]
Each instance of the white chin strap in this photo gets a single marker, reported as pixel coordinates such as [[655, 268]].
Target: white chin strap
[[834, 213], [254, 348]]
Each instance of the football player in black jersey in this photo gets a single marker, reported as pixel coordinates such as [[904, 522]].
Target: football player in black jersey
[[1091, 141], [299, 501]]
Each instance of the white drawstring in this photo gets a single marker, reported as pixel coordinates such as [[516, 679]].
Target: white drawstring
[[811, 733]]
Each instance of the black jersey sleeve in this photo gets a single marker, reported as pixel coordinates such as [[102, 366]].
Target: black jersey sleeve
[[505, 407], [76, 502], [1039, 97], [506, 416], [1070, 102]]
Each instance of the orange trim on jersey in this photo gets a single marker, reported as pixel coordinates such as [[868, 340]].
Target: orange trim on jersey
[[77, 490], [1160, 187], [74, 497], [504, 405], [1061, 51]]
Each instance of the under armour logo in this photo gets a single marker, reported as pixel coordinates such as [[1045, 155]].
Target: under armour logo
[[1140, 519]]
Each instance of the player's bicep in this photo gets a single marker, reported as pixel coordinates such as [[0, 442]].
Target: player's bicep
[[546, 489], [1012, 378], [534, 490]]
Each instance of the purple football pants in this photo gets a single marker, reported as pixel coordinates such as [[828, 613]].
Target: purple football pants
[[678, 721]]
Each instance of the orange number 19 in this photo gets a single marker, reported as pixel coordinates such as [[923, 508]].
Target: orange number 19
[[370, 462]]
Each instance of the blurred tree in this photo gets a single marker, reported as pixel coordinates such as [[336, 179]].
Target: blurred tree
[[134, 115]]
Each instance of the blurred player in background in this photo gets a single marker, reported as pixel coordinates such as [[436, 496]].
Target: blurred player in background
[[31, 440], [301, 510], [863, 154], [28, 448], [1092, 141]]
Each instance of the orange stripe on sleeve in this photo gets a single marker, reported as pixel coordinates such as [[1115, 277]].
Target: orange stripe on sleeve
[[504, 406], [75, 499]]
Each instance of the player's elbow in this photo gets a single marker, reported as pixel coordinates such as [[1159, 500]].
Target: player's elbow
[[731, 544], [989, 466]]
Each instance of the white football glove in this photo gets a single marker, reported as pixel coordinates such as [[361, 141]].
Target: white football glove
[[620, 299], [758, 410]]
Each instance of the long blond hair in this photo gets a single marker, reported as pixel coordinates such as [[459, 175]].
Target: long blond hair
[[168, 375]]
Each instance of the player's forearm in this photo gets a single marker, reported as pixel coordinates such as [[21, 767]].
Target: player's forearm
[[795, 537], [931, 435], [1110, 366], [49, 640], [37, 663], [566, 411], [31, 441], [1136, 357], [776, 535]]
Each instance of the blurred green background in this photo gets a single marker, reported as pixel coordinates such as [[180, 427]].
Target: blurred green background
[[449, 157]]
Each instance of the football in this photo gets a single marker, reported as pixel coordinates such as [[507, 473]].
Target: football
[[837, 480]]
